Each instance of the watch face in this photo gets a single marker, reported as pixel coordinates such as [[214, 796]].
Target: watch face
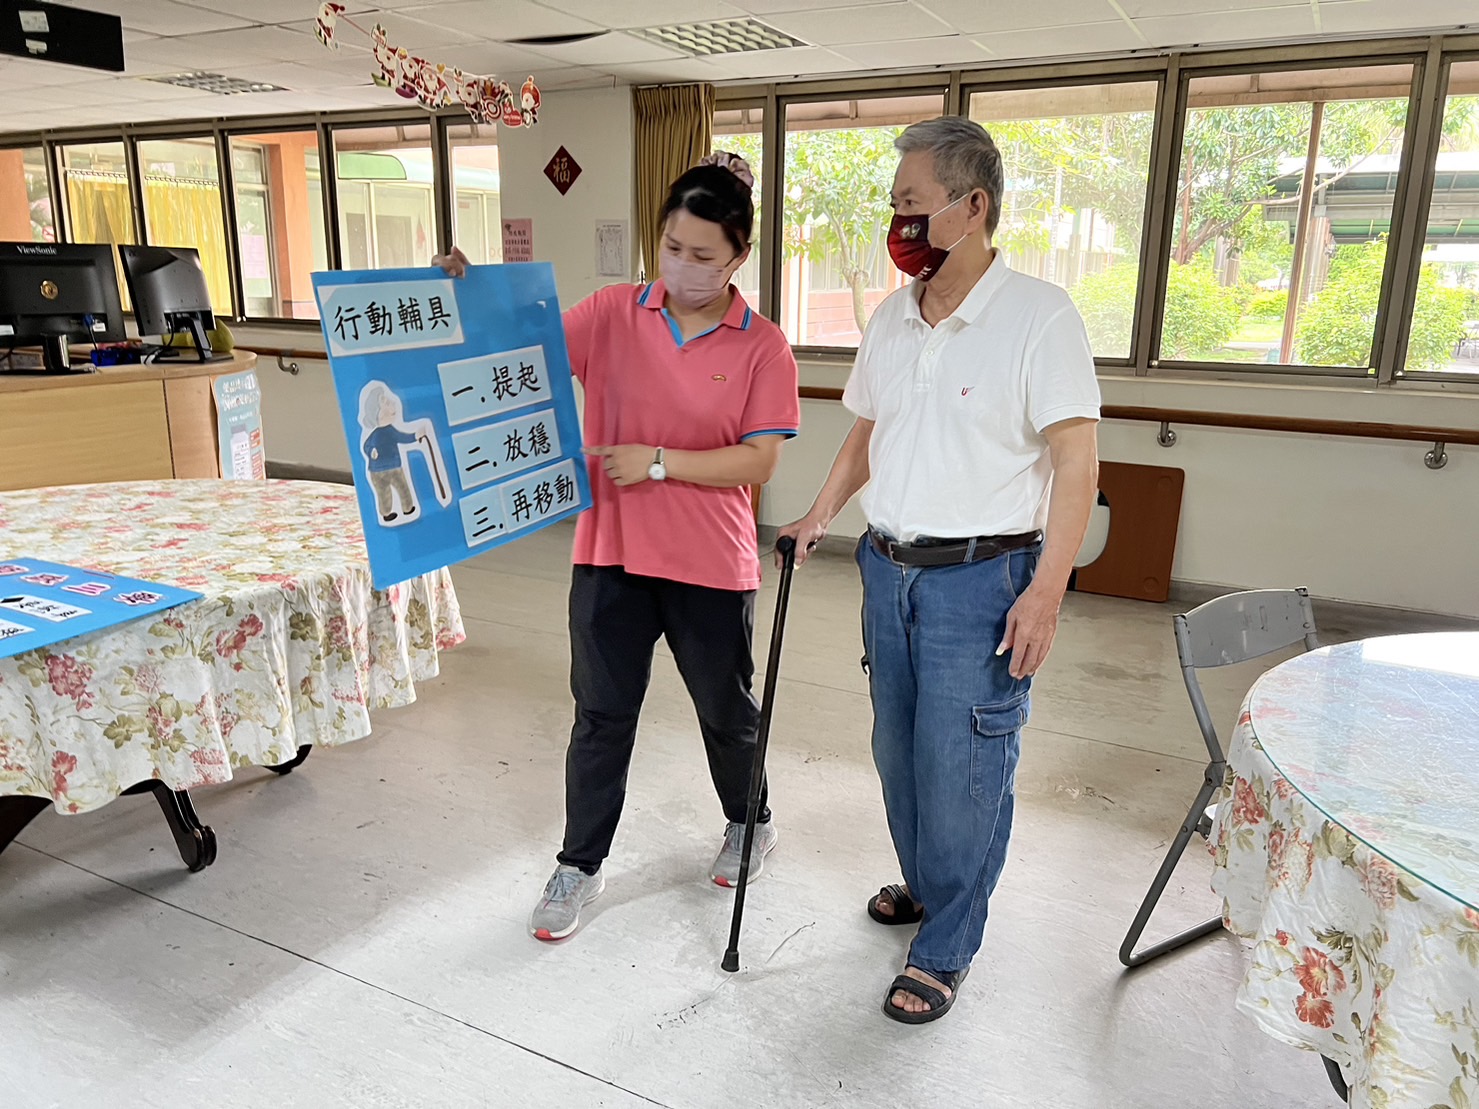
[[657, 471]]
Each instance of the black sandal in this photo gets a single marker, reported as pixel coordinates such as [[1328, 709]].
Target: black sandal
[[898, 897], [938, 1003]]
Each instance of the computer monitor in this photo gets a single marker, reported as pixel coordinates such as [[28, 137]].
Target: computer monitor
[[169, 293], [58, 293]]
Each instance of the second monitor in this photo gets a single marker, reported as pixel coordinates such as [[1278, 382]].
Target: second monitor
[[169, 293]]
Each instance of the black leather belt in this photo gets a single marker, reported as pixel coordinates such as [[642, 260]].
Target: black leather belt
[[950, 552]]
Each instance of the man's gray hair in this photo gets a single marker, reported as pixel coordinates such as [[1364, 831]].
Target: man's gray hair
[[965, 158]]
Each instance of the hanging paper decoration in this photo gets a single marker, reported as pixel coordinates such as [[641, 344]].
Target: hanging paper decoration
[[486, 99], [328, 19]]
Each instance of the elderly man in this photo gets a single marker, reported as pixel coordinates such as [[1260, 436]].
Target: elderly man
[[977, 409]]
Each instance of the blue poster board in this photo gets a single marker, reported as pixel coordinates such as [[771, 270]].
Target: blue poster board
[[457, 407], [42, 603]]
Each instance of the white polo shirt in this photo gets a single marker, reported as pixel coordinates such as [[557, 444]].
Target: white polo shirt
[[959, 409]]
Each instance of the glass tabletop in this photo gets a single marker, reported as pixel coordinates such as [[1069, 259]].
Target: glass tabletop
[[1382, 737]]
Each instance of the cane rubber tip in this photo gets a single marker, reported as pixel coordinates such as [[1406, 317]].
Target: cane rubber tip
[[731, 961]]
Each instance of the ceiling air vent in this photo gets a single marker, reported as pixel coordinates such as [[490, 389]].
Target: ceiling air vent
[[217, 83], [722, 36]]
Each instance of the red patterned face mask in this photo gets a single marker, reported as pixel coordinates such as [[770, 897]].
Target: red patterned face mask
[[909, 244]]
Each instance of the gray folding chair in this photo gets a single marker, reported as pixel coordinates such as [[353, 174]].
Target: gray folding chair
[[1224, 632]]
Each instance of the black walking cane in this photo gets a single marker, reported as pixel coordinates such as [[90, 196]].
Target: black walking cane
[[787, 548]]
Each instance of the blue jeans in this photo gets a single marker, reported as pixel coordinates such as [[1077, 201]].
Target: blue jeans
[[947, 729]]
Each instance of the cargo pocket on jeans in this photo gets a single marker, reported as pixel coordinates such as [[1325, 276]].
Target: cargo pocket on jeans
[[993, 727]]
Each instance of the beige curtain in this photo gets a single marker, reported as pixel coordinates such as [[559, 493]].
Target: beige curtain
[[675, 127]]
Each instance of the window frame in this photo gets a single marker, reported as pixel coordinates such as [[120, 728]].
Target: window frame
[[1440, 66], [1390, 270], [1431, 55], [773, 126], [1087, 76]]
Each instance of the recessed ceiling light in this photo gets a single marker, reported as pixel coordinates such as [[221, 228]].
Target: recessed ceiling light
[[722, 36], [217, 83]]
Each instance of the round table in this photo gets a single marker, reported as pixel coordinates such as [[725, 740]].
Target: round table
[[1348, 852], [289, 647]]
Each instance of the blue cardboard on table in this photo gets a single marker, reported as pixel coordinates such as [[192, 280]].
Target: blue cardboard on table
[[457, 407], [42, 603]]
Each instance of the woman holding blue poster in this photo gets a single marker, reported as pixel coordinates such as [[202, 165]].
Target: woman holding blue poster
[[689, 396]]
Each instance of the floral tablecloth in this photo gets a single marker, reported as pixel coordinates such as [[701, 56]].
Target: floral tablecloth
[[1347, 850], [289, 646]]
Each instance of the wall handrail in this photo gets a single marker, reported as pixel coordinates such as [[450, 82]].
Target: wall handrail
[[1436, 458]]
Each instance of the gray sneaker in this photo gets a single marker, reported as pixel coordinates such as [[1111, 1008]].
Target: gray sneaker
[[558, 911], [726, 867]]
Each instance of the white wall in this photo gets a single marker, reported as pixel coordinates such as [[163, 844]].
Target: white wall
[[1354, 520], [301, 423]]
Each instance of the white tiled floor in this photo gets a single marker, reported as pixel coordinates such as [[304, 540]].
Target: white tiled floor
[[361, 941]]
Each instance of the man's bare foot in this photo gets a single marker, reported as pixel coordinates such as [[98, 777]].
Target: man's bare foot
[[907, 1002]]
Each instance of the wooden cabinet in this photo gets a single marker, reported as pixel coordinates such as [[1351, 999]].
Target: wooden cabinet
[[123, 423]]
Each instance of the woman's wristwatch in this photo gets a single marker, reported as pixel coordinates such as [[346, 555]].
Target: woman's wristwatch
[[658, 471]]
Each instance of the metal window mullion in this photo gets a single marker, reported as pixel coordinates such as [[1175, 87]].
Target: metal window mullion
[[444, 187], [1409, 219], [61, 209], [328, 180], [1155, 244], [135, 187], [772, 158], [955, 100], [226, 172]]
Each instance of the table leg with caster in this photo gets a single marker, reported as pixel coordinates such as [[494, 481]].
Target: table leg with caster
[[16, 813], [196, 842], [296, 761]]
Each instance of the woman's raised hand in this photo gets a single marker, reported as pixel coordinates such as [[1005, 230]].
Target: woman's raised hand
[[455, 263]]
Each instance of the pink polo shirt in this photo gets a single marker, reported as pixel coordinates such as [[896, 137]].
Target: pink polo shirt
[[644, 384]]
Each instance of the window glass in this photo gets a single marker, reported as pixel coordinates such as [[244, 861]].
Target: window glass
[[25, 197], [477, 220], [839, 168], [1445, 318], [1284, 199], [182, 207], [1076, 163], [279, 222], [387, 207]]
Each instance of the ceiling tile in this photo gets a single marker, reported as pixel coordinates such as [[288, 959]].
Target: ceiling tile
[[24, 73], [770, 7], [1135, 9], [220, 48], [679, 69], [1343, 17], [644, 13], [878, 23], [948, 50], [1052, 42], [972, 17], [801, 61], [574, 77], [494, 59], [294, 75], [274, 11], [415, 30], [612, 49], [162, 17], [1214, 27], [500, 20]]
